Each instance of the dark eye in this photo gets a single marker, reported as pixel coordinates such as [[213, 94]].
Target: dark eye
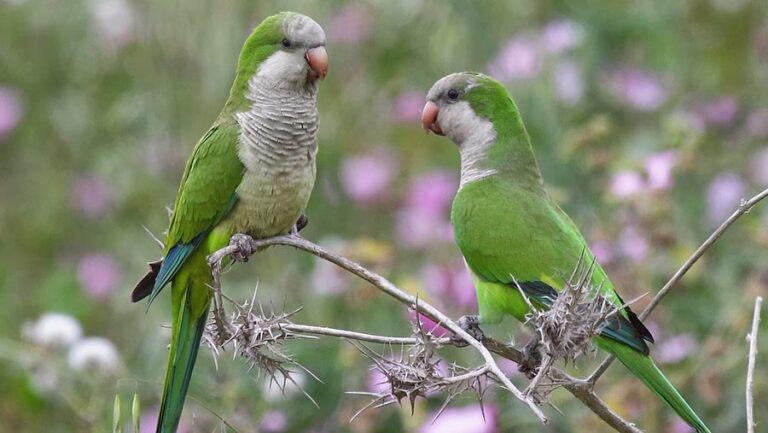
[[286, 43], [453, 94]]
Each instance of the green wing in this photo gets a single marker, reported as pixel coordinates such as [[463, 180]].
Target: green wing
[[206, 195], [509, 234]]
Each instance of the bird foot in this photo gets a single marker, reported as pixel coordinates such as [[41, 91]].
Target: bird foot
[[300, 224], [470, 325], [532, 358], [244, 250]]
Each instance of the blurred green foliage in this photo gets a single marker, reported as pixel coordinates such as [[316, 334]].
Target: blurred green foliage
[[649, 119]]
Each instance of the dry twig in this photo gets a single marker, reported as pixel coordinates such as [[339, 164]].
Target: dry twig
[[752, 338]]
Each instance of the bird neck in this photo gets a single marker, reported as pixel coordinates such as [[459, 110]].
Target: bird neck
[[503, 151]]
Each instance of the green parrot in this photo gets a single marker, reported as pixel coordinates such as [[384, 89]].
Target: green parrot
[[252, 172], [511, 232]]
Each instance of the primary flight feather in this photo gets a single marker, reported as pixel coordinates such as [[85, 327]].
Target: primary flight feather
[[252, 173], [511, 232]]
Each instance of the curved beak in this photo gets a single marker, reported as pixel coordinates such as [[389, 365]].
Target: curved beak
[[429, 118], [317, 59]]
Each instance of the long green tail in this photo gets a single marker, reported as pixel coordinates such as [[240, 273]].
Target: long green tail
[[185, 342], [646, 370]]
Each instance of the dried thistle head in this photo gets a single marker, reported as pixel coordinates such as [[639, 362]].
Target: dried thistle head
[[417, 371], [257, 336]]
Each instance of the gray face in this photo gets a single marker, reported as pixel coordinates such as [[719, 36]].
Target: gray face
[[288, 67], [456, 118]]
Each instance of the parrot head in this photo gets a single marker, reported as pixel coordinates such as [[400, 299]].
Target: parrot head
[[460, 105], [288, 49]]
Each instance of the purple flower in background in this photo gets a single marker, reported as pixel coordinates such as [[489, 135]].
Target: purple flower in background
[[450, 282], [114, 22], [603, 251], [676, 348], [465, 419], [639, 89], [377, 382], [519, 59], [407, 106], [720, 112], [562, 35], [351, 25], [659, 168], [11, 110], [757, 123], [427, 324], [424, 219], [626, 183], [758, 168], [677, 425], [366, 178], [273, 421], [724, 194], [91, 196], [632, 244], [98, 275], [569, 83]]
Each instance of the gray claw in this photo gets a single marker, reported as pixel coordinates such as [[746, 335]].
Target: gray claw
[[470, 325], [243, 244]]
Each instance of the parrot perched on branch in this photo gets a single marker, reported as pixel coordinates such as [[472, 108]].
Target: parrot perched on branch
[[510, 231], [251, 173]]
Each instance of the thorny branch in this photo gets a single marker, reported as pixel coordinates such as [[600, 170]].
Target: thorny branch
[[414, 373], [744, 207], [752, 338]]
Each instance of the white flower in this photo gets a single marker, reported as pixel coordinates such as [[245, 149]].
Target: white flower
[[94, 353], [53, 330]]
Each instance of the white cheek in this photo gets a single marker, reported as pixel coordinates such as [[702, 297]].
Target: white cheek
[[283, 66]]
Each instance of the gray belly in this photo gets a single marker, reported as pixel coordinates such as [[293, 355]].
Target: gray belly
[[270, 203]]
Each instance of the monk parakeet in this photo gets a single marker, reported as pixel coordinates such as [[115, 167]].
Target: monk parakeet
[[252, 172], [512, 233]]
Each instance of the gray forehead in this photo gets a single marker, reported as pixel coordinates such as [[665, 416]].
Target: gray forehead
[[304, 28], [457, 79]]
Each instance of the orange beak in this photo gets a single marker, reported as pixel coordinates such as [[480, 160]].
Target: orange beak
[[429, 118], [317, 59]]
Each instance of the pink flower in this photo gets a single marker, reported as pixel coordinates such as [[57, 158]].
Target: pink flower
[[626, 183], [675, 349], [720, 112], [569, 83], [377, 382], [273, 421], [351, 25], [407, 106], [759, 166], [639, 89], [465, 419], [603, 251], [91, 196], [451, 283], [424, 218], [519, 59], [562, 35], [632, 244], [677, 425], [366, 178], [724, 194], [11, 110], [431, 193], [98, 275], [428, 325], [659, 167]]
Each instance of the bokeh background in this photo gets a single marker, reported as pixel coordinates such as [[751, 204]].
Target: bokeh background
[[649, 118]]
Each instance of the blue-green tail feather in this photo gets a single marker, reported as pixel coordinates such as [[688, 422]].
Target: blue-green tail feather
[[181, 362], [646, 370]]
